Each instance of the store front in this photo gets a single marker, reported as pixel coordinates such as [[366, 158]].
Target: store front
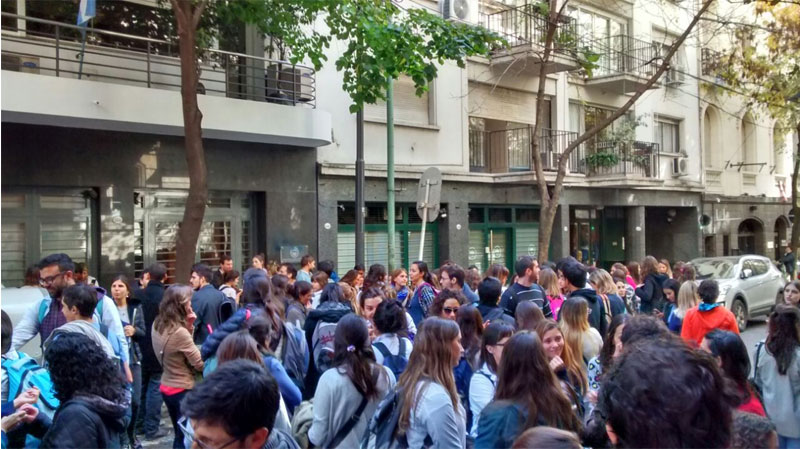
[[500, 235]]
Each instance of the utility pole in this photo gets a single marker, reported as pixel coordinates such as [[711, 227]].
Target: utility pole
[[795, 210], [359, 187], [390, 169]]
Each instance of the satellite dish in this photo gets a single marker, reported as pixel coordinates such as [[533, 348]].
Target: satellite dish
[[461, 8]]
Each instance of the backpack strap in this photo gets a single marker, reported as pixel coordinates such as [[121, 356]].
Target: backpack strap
[[402, 352], [384, 349], [758, 354], [488, 377], [348, 426]]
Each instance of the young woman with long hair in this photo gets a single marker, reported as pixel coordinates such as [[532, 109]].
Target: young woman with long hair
[[670, 288], [634, 274], [354, 278], [375, 277], [650, 292], [522, 402], [353, 386], [484, 380], [399, 283], [528, 315], [239, 345], [175, 350], [687, 299], [447, 303], [664, 267], [791, 293], [584, 340], [777, 373], [568, 367], [500, 272], [431, 407], [297, 311], [611, 344], [731, 354], [424, 292], [132, 317], [548, 279], [604, 285]]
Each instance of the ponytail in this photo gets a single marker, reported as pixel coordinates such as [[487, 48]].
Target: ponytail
[[426, 274]]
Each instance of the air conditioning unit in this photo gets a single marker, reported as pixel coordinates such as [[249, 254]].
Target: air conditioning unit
[[674, 76], [680, 166], [460, 10]]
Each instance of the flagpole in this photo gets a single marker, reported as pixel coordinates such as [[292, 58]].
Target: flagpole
[[83, 50]]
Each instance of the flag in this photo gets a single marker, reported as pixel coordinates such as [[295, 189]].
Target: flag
[[86, 11]]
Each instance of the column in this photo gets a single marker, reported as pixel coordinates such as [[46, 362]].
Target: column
[[559, 239], [634, 234]]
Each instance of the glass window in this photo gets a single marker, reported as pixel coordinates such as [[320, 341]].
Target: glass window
[[667, 134]]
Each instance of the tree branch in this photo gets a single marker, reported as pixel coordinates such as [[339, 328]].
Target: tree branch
[[198, 13]]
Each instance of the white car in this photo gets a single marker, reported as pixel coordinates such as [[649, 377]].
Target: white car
[[749, 285], [15, 301]]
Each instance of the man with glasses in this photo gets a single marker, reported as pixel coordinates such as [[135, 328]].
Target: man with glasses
[[56, 273], [234, 407], [452, 277]]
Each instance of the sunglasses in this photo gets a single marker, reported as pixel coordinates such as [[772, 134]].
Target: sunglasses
[[450, 310]]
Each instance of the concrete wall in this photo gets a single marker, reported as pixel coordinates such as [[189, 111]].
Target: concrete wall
[[728, 213], [117, 163]]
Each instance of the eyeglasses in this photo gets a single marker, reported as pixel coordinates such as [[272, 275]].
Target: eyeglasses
[[450, 310], [189, 433], [49, 280]]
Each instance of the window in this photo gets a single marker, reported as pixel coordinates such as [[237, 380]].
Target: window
[[584, 117], [662, 43], [748, 142], [602, 33], [408, 107], [667, 135]]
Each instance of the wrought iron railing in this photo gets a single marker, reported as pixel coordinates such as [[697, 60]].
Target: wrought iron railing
[[709, 61], [510, 150], [634, 158], [526, 25], [623, 54], [55, 48]]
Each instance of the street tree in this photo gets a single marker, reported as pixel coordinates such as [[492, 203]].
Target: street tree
[[382, 41]]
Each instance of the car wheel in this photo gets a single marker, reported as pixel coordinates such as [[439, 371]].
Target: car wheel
[[739, 311]]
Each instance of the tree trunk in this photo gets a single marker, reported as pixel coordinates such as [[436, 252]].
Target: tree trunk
[[795, 209], [187, 17]]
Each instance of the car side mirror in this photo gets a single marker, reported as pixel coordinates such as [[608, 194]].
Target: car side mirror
[[747, 273]]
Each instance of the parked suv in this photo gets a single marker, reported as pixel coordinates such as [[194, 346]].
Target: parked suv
[[750, 285]]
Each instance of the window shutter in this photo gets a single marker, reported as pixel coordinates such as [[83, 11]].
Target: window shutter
[[408, 107]]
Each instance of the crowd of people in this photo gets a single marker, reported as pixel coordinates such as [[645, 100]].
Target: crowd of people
[[546, 355]]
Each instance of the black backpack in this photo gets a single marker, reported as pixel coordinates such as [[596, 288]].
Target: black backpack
[[396, 363], [382, 429]]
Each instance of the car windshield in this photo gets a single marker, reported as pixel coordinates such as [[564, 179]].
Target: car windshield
[[714, 269]]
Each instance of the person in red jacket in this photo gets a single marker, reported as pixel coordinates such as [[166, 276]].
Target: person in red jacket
[[707, 316]]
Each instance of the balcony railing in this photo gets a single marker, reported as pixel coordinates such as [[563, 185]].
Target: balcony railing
[[510, 150], [54, 50], [709, 61], [631, 158], [525, 25], [625, 55]]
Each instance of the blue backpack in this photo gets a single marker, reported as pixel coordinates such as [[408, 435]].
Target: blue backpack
[[24, 373], [396, 363]]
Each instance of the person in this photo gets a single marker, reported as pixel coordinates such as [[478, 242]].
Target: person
[[788, 261], [489, 292], [287, 269], [688, 273], [572, 279], [318, 281], [549, 282], [651, 295], [625, 291], [777, 373], [132, 316], [634, 274], [327, 267], [583, 340], [687, 299], [82, 275], [352, 388], [230, 283], [791, 293], [391, 348], [93, 401], [400, 284], [677, 270], [375, 277], [547, 437], [707, 315], [473, 277], [225, 266], [612, 346], [176, 351], [150, 296], [567, 366], [647, 403], [453, 278], [259, 261], [753, 431], [484, 380], [44, 316], [447, 303], [307, 265], [470, 322], [297, 311], [670, 289], [603, 284], [431, 410], [424, 292], [528, 315], [519, 403], [525, 288], [280, 290], [333, 306], [498, 271], [664, 268], [731, 355], [210, 305], [235, 407], [368, 303]]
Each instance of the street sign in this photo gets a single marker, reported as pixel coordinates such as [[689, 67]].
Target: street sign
[[429, 194]]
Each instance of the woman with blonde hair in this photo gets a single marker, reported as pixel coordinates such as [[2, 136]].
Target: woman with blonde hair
[[567, 366], [607, 291], [580, 337], [548, 279], [687, 299], [431, 407]]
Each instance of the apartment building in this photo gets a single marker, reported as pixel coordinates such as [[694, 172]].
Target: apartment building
[[92, 157]]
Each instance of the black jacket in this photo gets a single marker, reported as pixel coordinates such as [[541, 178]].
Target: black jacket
[[212, 308], [651, 293], [150, 299], [489, 312], [327, 312], [87, 422], [597, 313], [136, 314]]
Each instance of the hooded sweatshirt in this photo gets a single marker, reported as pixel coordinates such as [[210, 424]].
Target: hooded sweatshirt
[[697, 323], [597, 315], [651, 293], [331, 312], [85, 328], [88, 421]]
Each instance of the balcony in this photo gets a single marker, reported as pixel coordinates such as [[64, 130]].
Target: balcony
[[710, 61], [614, 160], [625, 64], [504, 151], [525, 29], [245, 97]]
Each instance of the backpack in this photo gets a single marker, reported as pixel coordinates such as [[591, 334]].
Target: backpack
[[382, 428], [322, 345], [301, 422], [396, 363], [24, 373]]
